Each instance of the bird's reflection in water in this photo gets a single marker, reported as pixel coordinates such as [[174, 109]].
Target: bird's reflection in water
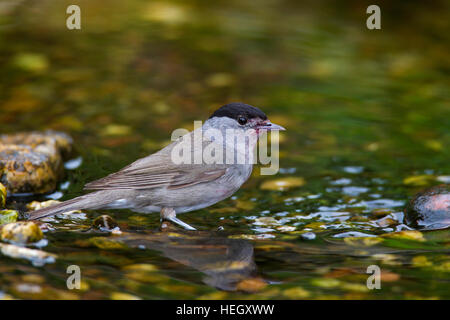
[[225, 262]]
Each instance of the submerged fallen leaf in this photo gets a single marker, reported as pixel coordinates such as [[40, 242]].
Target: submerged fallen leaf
[[387, 276], [147, 277], [363, 241], [116, 130], [283, 184], [355, 287], [220, 80], [421, 261], [218, 295], [337, 273], [387, 258], [245, 205], [434, 145], [443, 267], [33, 62], [326, 282], [314, 225], [418, 181], [141, 267], [33, 278], [266, 221], [251, 285], [123, 296], [407, 235], [227, 266], [412, 296], [296, 293], [84, 286], [225, 210], [168, 13], [106, 243]]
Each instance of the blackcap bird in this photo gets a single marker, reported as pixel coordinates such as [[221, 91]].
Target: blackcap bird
[[197, 170]]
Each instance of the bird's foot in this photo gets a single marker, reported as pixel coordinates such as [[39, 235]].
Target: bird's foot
[[170, 215]]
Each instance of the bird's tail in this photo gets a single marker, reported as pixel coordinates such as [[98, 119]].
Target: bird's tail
[[88, 201]]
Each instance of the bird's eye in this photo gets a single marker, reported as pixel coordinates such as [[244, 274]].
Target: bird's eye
[[242, 120]]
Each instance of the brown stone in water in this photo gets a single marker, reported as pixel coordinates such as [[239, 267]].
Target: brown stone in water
[[32, 162], [105, 222], [429, 209]]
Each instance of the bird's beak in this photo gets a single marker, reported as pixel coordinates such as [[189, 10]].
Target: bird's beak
[[269, 126]]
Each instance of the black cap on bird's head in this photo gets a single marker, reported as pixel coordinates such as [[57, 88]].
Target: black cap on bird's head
[[246, 114], [236, 109]]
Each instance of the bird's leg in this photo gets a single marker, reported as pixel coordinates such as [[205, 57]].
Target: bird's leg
[[169, 214]]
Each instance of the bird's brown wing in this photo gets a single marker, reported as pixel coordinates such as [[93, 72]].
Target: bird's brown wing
[[158, 170], [172, 179]]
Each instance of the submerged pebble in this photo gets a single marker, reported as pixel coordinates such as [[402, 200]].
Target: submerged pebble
[[2, 195], [37, 257], [429, 209], [8, 216], [32, 162], [105, 222], [36, 205], [22, 232], [74, 214], [386, 222], [381, 212]]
